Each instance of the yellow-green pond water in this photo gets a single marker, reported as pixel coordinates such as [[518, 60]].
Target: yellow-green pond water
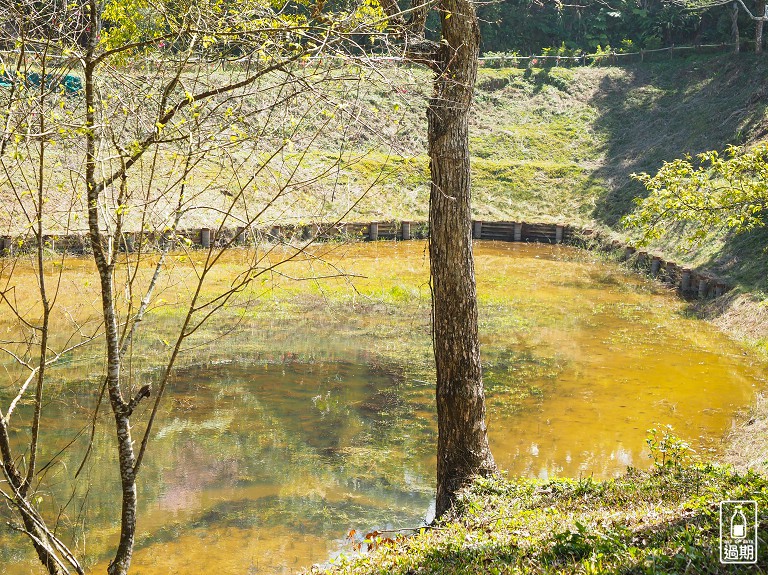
[[316, 415]]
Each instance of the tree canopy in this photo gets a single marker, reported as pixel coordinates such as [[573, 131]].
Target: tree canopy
[[713, 190], [531, 26], [522, 26]]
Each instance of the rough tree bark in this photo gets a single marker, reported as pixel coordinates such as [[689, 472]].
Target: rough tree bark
[[760, 13], [462, 445], [462, 450]]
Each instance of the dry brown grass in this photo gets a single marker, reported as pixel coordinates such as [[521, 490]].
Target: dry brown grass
[[747, 447], [743, 316]]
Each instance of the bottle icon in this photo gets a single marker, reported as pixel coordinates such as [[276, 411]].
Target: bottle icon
[[738, 525]]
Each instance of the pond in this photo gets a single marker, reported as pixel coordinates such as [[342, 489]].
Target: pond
[[318, 417]]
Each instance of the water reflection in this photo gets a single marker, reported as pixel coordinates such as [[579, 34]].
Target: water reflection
[[261, 465]]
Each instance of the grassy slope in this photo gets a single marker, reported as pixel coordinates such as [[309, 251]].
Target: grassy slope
[[560, 145], [591, 128]]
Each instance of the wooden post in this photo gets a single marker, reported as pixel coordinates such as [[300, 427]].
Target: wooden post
[[558, 234], [373, 231], [655, 265], [518, 232], [719, 289], [477, 230], [628, 252], [670, 272], [66, 244], [205, 237], [309, 231], [406, 227], [240, 236], [703, 286], [274, 233], [685, 280]]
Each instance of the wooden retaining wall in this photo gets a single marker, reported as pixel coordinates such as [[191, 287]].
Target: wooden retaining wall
[[521, 232], [689, 283]]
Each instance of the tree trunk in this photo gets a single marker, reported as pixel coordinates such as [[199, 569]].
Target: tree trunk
[[105, 266], [462, 449], [735, 27], [760, 13], [16, 482]]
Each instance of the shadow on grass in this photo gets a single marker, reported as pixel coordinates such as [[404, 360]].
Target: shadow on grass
[[744, 259], [688, 544], [658, 112]]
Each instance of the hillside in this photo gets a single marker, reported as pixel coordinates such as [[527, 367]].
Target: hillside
[[560, 144], [583, 132]]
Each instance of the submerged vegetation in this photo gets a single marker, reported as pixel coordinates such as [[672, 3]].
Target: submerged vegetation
[[264, 431]]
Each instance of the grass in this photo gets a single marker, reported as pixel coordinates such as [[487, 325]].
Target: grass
[[561, 144], [663, 521], [747, 447]]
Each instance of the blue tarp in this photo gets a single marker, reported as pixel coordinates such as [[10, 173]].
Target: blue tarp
[[71, 84]]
